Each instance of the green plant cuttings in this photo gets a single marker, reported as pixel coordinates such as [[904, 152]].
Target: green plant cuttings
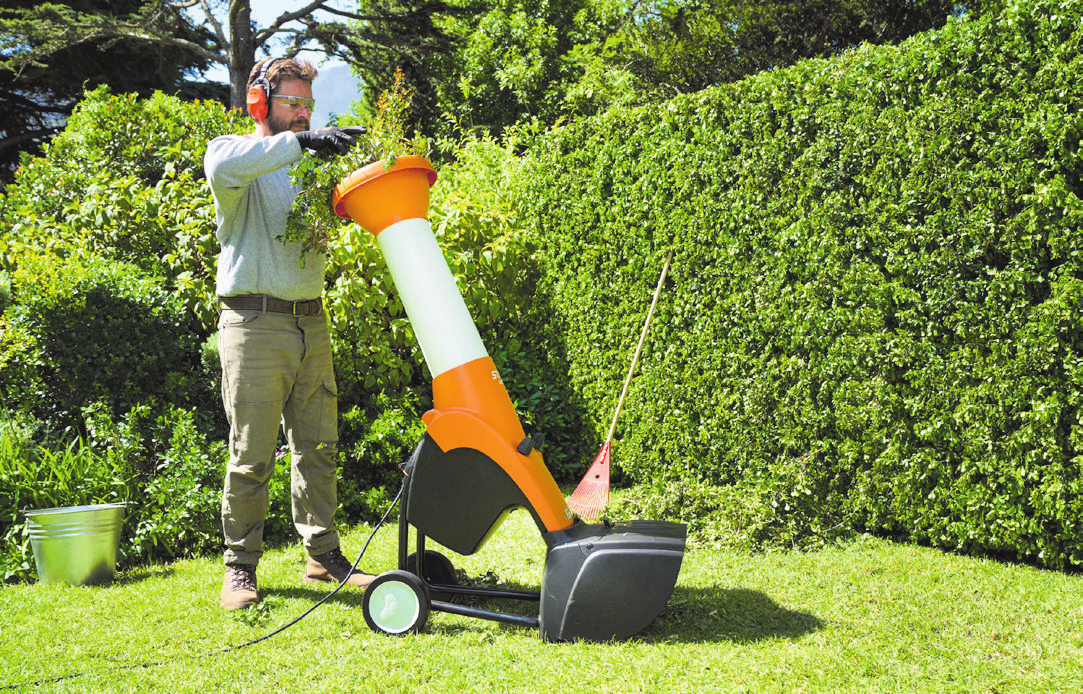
[[312, 221]]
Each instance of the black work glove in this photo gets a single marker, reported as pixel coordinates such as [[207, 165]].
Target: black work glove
[[330, 140]]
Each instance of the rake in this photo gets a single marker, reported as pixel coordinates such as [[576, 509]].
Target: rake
[[592, 494]]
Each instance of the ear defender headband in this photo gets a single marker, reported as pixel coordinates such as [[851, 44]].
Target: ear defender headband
[[260, 91]]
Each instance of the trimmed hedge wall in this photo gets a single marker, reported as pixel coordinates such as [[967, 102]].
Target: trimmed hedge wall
[[873, 319]]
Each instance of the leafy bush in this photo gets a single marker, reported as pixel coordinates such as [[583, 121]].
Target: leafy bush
[[158, 463], [36, 477], [175, 501], [874, 308], [124, 180], [145, 138], [376, 441], [85, 331]]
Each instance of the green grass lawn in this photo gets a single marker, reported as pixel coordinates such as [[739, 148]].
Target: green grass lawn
[[864, 616]]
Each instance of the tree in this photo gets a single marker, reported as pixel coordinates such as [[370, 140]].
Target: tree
[[411, 35], [35, 39], [488, 63], [511, 61], [43, 76], [494, 63], [217, 31]]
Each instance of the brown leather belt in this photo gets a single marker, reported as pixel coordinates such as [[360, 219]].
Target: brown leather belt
[[262, 302]]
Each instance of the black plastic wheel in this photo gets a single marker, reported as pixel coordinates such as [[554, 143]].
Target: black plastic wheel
[[396, 603], [438, 571], [438, 568]]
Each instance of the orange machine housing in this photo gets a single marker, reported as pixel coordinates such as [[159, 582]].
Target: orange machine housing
[[475, 464], [472, 408]]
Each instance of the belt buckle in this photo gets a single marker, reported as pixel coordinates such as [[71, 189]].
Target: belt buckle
[[311, 307]]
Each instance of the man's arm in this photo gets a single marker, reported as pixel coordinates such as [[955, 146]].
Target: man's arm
[[234, 161]]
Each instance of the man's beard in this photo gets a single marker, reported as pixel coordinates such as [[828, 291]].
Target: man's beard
[[279, 124]]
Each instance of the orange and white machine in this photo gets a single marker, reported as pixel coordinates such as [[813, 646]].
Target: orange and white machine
[[476, 464]]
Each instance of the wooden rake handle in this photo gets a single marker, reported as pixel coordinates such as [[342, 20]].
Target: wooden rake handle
[[639, 347]]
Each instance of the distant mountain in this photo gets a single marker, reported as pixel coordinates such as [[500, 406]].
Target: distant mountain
[[335, 89]]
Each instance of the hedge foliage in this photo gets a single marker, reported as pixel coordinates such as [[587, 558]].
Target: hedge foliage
[[90, 331], [874, 315]]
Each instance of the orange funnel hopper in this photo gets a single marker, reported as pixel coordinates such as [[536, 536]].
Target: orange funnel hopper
[[375, 198]]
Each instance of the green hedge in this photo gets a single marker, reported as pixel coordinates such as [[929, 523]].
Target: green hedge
[[874, 315]]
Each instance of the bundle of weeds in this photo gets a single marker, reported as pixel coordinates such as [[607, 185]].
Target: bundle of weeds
[[312, 221]]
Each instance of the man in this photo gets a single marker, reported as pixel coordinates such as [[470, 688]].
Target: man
[[274, 340]]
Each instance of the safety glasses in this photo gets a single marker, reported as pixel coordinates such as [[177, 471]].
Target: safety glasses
[[294, 103]]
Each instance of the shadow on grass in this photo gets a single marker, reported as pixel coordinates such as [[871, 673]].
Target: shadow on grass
[[733, 615], [710, 614], [693, 615]]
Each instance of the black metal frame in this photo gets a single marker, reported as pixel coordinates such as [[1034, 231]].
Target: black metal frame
[[452, 589]]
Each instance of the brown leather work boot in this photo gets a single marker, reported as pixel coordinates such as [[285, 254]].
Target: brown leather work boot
[[332, 567], [239, 587]]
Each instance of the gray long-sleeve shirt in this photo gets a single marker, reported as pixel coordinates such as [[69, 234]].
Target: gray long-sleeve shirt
[[249, 177]]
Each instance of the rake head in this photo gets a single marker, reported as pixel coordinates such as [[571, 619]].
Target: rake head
[[592, 494]]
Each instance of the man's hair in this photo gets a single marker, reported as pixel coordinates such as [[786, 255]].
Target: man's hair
[[283, 69]]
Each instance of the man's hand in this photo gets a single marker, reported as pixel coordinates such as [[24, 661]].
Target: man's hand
[[333, 140]]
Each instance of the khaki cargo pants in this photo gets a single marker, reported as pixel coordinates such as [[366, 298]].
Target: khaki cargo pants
[[276, 368]]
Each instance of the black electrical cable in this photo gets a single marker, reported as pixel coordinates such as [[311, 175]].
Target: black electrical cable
[[327, 597], [229, 649]]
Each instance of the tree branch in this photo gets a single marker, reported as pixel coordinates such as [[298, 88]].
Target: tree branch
[[266, 33], [223, 40], [428, 8], [50, 28], [140, 34]]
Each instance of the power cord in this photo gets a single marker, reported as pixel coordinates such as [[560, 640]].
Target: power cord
[[229, 649], [330, 595]]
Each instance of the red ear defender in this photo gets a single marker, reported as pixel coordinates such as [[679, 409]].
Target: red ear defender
[[259, 92], [257, 103]]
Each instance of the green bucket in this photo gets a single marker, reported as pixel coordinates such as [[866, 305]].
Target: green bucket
[[76, 544]]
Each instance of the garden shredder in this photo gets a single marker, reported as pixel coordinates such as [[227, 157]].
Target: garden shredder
[[475, 464]]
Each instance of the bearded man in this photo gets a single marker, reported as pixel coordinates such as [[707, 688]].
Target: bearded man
[[274, 340]]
